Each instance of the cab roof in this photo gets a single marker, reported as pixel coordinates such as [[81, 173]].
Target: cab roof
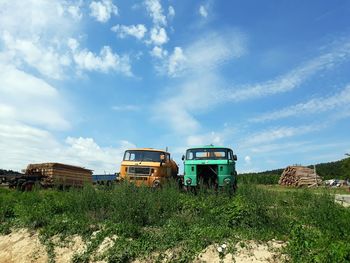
[[210, 146], [147, 149]]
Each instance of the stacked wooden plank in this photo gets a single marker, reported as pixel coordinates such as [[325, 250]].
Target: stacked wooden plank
[[60, 174], [298, 176]]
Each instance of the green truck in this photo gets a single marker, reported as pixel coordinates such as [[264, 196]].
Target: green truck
[[210, 167]]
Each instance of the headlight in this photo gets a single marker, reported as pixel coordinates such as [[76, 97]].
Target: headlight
[[188, 181], [227, 181], [156, 183]]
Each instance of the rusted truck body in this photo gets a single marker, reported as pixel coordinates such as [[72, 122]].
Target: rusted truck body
[[147, 166]]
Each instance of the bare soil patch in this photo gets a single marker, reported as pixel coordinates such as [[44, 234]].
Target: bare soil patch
[[22, 246]]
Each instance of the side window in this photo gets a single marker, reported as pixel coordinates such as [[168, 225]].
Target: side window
[[127, 156], [167, 157], [189, 156], [230, 155]]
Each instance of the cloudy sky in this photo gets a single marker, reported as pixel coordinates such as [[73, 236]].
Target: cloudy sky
[[81, 81]]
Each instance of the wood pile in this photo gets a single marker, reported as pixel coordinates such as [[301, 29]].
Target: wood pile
[[60, 174], [299, 176]]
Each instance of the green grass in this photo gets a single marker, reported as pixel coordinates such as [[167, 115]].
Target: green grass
[[263, 178], [147, 220]]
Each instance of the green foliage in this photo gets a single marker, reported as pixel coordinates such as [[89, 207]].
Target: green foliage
[[259, 178], [150, 222], [346, 168], [331, 170]]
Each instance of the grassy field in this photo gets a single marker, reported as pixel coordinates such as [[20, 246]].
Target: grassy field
[[146, 220]]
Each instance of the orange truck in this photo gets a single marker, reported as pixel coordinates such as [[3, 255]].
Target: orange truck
[[147, 166]]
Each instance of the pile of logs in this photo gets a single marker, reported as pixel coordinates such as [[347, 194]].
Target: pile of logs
[[60, 174], [299, 176]]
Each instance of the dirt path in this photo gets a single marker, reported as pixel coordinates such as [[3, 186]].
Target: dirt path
[[22, 246], [343, 200], [246, 252]]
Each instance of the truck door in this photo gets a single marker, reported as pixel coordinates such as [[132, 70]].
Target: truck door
[[168, 164]]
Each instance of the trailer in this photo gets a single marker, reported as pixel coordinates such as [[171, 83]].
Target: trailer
[[51, 175], [8, 175], [25, 182], [105, 179]]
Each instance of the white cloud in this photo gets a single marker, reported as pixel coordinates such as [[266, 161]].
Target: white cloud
[[155, 11], [106, 61], [103, 10], [292, 79], [176, 61], [73, 44], [171, 12], [128, 107], [248, 159], [74, 9], [158, 52], [279, 133], [32, 34], [201, 63], [158, 36], [317, 105], [47, 60], [38, 36], [37, 18], [25, 144], [201, 57], [204, 139], [137, 31], [22, 144], [86, 152], [193, 96], [223, 47], [197, 93], [203, 11], [23, 98]]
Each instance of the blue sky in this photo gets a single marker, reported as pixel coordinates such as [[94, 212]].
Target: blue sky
[[81, 81]]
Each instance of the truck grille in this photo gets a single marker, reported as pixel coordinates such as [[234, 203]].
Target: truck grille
[[139, 170], [142, 178]]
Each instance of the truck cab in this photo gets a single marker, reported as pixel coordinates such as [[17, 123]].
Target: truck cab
[[211, 167], [147, 166]]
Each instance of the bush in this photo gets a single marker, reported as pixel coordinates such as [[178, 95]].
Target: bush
[[148, 220]]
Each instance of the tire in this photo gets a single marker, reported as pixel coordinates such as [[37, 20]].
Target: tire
[[27, 186]]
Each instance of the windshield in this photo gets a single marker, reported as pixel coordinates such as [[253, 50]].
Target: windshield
[[208, 154], [138, 156]]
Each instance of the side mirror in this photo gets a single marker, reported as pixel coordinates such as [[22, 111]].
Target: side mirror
[[235, 157], [183, 157]]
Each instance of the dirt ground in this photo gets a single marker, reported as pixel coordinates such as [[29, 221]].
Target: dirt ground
[[246, 252], [22, 246]]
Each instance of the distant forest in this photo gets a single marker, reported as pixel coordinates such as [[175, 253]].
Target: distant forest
[[8, 172], [331, 170]]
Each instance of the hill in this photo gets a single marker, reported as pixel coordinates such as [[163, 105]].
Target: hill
[[8, 172], [337, 169]]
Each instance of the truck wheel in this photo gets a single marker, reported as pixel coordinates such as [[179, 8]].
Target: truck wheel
[[234, 187], [27, 186]]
